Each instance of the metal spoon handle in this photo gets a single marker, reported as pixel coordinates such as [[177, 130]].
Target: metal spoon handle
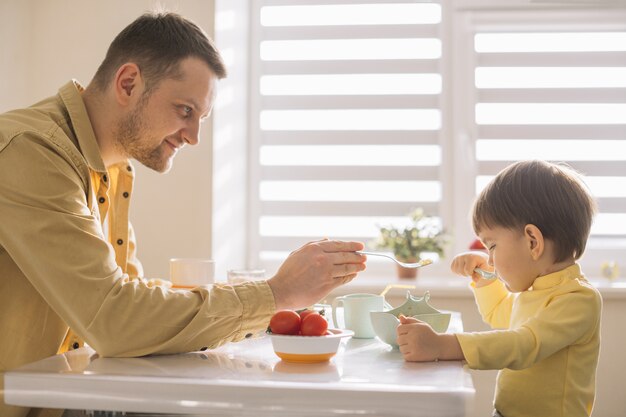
[[486, 274], [418, 264]]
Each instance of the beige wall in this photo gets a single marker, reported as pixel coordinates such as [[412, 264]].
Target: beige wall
[[14, 54], [43, 44]]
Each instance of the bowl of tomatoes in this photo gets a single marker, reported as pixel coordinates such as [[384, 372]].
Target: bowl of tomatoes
[[304, 337]]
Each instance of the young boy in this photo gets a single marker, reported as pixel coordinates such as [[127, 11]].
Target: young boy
[[534, 219]]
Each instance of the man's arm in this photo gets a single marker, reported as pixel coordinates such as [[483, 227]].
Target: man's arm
[[50, 233]]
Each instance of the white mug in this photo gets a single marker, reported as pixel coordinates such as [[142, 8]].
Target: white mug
[[191, 272], [356, 312]]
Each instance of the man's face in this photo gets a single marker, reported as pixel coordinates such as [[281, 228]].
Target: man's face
[[169, 117]]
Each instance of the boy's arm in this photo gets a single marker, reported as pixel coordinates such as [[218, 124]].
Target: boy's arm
[[571, 318], [495, 304], [493, 300]]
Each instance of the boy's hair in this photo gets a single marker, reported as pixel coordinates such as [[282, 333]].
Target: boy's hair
[[550, 196], [157, 43]]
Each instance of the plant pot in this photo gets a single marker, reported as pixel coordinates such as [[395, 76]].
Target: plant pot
[[407, 273]]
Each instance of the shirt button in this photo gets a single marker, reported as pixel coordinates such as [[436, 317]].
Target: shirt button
[[120, 241], [75, 345], [249, 335], [101, 200], [104, 178], [125, 194], [203, 348]]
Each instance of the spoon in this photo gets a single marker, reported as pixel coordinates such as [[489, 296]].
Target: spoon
[[419, 264], [486, 274]]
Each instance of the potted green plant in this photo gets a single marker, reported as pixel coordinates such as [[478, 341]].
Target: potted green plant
[[423, 234]]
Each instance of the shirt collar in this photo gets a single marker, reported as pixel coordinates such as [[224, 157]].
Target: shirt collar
[[556, 278], [70, 94]]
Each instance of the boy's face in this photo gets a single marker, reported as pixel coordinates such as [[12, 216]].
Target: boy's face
[[170, 118], [510, 254]]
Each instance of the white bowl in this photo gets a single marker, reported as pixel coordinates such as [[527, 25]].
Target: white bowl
[[308, 349], [385, 324]]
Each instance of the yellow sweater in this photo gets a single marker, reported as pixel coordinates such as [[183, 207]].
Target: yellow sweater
[[548, 349]]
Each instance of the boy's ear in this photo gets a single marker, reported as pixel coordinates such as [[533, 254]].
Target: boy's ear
[[128, 83], [535, 240]]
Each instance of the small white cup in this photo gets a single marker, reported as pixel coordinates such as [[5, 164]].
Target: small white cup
[[237, 276], [356, 312], [191, 272]]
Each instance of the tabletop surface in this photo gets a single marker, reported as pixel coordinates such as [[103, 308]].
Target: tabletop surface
[[366, 377]]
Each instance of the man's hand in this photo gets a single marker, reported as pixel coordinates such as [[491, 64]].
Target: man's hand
[[420, 343], [312, 271]]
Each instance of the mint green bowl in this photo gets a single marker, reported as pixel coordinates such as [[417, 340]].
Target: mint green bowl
[[386, 322]]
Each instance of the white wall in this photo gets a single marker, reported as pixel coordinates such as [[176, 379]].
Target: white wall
[[15, 41], [230, 144], [44, 44]]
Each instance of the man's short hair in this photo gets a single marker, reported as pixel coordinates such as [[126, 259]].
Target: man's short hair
[[551, 196], [157, 43]]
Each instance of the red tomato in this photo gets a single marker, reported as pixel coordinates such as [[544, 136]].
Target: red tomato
[[285, 322], [314, 325], [305, 313]]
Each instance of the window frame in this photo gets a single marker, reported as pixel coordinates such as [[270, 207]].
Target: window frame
[[458, 134]]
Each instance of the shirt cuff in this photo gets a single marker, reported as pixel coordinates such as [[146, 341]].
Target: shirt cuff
[[258, 304], [469, 348]]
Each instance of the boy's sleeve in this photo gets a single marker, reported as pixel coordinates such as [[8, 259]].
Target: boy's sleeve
[[495, 304]]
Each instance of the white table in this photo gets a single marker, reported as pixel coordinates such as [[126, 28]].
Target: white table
[[365, 378]]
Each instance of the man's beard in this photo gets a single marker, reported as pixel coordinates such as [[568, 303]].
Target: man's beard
[[129, 134]]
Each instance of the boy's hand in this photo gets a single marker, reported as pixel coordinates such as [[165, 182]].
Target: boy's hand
[[417, 340], [465, 263], [420, 343]]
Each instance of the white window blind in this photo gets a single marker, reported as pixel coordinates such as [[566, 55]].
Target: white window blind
[[345, 120], [552, 85], [363, 110]]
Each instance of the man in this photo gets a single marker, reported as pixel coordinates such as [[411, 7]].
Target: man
[[67, 250]]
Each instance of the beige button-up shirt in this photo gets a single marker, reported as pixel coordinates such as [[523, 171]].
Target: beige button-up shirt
[[59, 270]]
